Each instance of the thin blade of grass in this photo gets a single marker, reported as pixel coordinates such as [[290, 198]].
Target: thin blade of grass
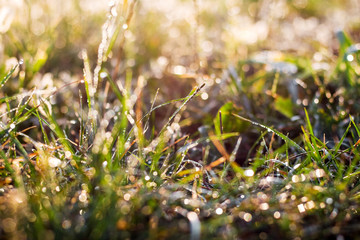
[[57, 129], [270, 129], [195, 91], [87, 79], [312, 138], [7, 77]]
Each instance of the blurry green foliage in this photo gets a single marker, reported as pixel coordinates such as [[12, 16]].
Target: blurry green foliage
[[225, 122], [284, 106]]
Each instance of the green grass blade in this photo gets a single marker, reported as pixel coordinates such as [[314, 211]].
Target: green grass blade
[[7, 77], [195, 91], [270, 129]]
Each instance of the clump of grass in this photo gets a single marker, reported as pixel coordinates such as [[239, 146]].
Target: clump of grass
[[278, 158]]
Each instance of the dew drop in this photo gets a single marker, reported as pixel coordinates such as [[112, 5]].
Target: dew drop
[[82, 196], [329, 201], [54, 162], [103, 74], [67, 154], [219, 211], [350, 58], [127, 197], [113, 11], [111, 3], [247, 217], [264, 206], [204, 96], [104, 164], [249, 173], [301, 208]]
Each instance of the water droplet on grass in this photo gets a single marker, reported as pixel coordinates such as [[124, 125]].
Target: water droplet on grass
[[329, 201], [204, 96], [219, 211], [127, 197], [111, 3], [66, 224], [113, 11], [264, 206], [103, 74], [247, 217], [54, 162], [301, 208], [82, 196], [104, 164], [249, 173]]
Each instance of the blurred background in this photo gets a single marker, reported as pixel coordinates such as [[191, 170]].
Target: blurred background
[[172, 34]]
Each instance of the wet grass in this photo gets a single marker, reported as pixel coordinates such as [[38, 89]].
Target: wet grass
[[159, 127]]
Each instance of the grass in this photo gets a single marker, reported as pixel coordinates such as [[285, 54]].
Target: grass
[[154, 127]]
